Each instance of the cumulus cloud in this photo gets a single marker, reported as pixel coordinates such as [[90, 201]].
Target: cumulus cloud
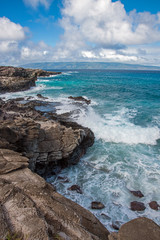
[[35, 3], [100, 29], [11, 31]]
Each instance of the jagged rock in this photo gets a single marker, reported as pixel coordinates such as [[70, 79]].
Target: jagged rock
[[97, 205], [32, 207], [40, 96], [75, 188], [137, 194], [13, 79], [46, 143], [154, 205], [137, 206], [137, 229], [81, 99]]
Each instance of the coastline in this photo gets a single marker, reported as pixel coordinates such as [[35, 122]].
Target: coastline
[[32, 134]]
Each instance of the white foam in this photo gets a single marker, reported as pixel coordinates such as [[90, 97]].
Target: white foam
[[118, 129]]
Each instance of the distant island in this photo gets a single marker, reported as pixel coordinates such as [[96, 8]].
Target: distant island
[[89, 65]]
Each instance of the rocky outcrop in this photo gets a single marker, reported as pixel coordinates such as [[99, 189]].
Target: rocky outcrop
[[47, 143], [31, 207], [137, 229], [81, 99], [14, 79]]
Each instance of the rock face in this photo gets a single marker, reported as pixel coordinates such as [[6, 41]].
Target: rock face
[[47, 143], [31, 207], [138, 229], [14, 79]]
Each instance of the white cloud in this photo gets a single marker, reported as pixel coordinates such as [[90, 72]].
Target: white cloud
[[10, 31], [104, 22], [92, 28], [36, 3]]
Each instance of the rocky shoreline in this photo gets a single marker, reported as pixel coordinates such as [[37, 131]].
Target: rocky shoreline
[[35, 144]]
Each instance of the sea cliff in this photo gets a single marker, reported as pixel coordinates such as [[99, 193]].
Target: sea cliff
[[34, 144]]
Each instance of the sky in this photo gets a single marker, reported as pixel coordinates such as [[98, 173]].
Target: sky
[[123, 31]]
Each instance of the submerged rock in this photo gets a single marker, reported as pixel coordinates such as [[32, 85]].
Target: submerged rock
[[137, 206], [154, 205], [97, 205], [81, 99], [137, 194], [75, 188]]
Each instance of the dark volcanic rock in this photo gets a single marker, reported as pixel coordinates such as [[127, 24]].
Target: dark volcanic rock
[[40, 96], [75, 188], [137, 194], [137, 206], [82, 99], [97, 205], [154, 205], [13, 79]]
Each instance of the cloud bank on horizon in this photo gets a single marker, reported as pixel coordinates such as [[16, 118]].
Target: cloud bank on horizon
[[93, 30]]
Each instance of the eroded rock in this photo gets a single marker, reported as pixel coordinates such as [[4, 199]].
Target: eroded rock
[[32, 207]]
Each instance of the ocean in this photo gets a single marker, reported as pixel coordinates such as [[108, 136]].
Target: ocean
[[124, 115]]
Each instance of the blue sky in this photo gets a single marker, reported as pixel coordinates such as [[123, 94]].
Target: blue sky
[[80, 30]]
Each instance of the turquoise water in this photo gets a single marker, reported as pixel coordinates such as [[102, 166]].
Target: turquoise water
[[125, 117]]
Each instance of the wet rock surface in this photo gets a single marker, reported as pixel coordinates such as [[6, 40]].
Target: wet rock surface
[[137, 206], [97, 205], [75, 188], [154, 205], [81, 99], [137, 194]]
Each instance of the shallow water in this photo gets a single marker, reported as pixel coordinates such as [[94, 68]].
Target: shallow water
[[125, 118]]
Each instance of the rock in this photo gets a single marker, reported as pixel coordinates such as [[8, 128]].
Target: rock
[[137, 206], [138, 229], [137, 194], [116, 225], [13, 79], [75, 188], [97, 205], [113, 236], [81, 99], [154, 205], [26, 199], [40, 96]]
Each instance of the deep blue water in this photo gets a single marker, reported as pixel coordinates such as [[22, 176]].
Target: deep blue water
[[125, 117]]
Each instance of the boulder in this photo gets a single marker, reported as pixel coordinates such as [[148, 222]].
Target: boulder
[[97, 205], [137, 194], [31, 207], [75, 188], [81, 99], [154, 205], [137, 206], [137, 229]]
